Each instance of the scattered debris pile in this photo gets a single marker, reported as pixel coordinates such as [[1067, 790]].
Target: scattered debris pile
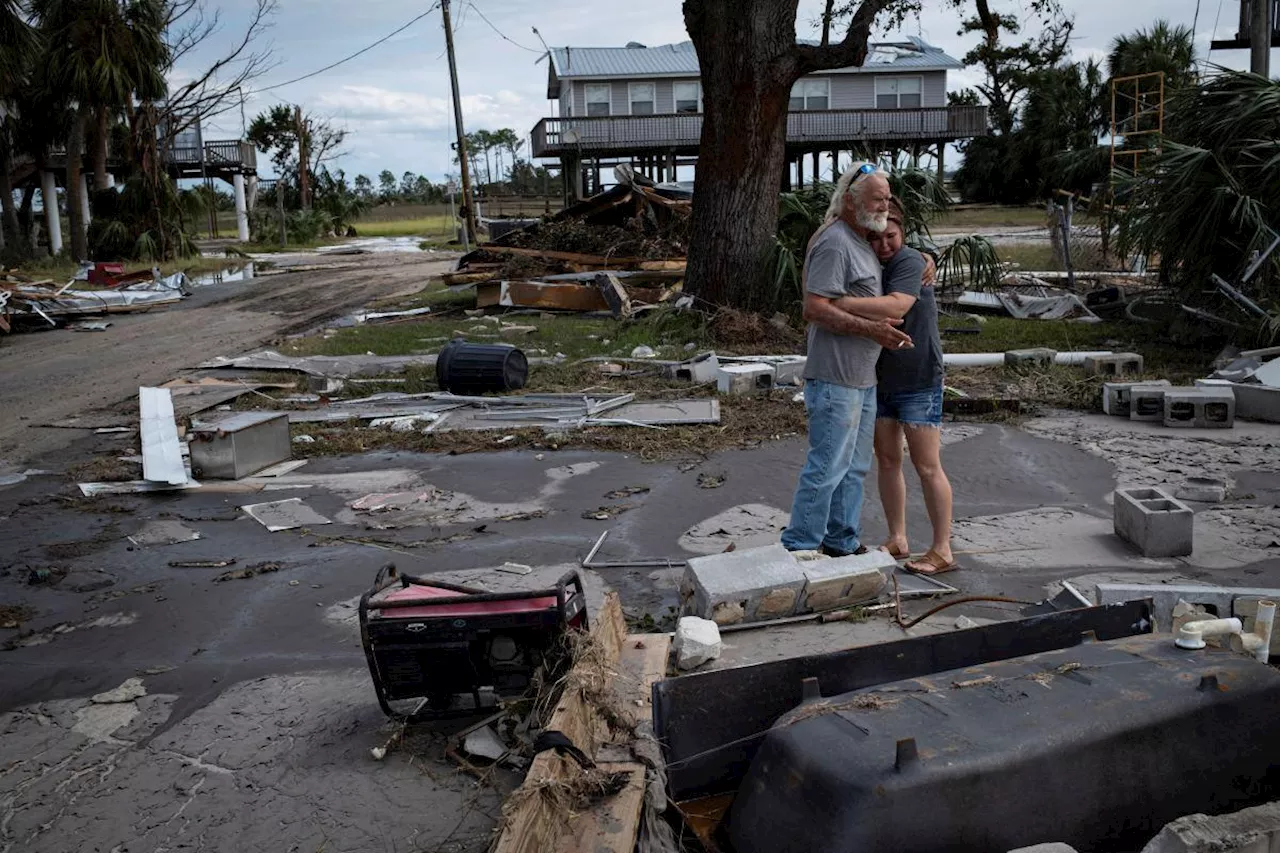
[[635, 232], [44, 302]]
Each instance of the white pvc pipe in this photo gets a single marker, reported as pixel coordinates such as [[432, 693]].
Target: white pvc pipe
[[1192, 634], [995, 359], [1259, 642], [52, 220]]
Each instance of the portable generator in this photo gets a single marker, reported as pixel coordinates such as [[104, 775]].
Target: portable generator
[[454, 649]]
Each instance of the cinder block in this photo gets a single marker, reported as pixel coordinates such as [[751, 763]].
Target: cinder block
[[699, 370], [1202, 490], [743, 586], [1218, 600], [789, 370], [1257, 402], [843, 581], [1035, 357], [1154, 522], [745, 379], [1116, 364], [1117, 396], [1212, 383], [1205, 408], [1146, 403]]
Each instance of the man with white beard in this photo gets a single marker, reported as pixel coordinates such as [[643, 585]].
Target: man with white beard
[[840, 374]]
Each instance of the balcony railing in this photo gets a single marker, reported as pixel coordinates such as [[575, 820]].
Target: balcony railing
[[231, 152], [589, 135]]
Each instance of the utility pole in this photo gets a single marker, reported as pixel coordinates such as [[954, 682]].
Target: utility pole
[[468, 205], [1260, 38], [304, 179]]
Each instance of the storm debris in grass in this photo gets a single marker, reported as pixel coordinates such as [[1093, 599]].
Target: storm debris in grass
[[13, 615], [105, 469], [711, 481]]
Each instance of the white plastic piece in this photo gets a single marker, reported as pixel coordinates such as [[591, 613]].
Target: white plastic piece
[[1257, 642]]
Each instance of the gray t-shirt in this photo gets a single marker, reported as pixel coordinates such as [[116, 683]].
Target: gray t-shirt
[[919, 368], [840, 263]]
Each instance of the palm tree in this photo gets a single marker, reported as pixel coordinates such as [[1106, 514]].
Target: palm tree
[[104, 54]]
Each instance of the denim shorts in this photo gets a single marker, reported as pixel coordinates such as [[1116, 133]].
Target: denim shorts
[[915, 408]]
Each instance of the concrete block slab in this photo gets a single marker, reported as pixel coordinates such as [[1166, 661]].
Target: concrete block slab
[[1218, 600], [1257, 402], [1027, 358], [1115, 364], [844, 581], [1146, 402], [1199, 408], [745, 379], [749, 585], [1154, 522], [1052, 847], [1253, 830], [1117, 396]]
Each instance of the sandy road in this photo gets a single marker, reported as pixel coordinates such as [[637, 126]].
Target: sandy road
[[48, 376]]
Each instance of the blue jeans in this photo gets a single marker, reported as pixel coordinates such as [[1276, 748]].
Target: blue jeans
[[828, 502]]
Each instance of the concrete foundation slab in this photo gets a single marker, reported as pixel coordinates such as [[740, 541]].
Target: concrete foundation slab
[[1154, 522], [743, 586]]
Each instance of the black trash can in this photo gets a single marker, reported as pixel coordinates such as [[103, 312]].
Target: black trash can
[[463, 368]]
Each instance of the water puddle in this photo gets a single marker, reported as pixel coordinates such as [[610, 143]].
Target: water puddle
[[227, 276], [376, 245]]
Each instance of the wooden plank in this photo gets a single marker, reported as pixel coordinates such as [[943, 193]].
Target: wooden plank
[[612, 825]]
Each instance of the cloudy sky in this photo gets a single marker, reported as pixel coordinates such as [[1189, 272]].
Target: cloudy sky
[[394, 99]]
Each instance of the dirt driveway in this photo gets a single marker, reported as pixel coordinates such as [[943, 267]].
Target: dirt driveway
[[48, 376]]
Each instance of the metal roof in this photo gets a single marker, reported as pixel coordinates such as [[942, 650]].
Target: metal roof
[[680, 60]]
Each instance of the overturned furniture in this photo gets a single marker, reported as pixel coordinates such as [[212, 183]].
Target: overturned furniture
[[455, 649]]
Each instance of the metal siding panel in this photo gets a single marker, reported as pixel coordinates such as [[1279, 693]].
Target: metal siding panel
[[934, 93], [852, 91], [619, 103], [579, 98]]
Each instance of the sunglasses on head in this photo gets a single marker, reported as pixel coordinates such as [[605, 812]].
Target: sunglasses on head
[[864, 169]]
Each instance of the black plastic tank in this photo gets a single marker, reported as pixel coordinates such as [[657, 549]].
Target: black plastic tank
[[465, 368], [1097, 746]]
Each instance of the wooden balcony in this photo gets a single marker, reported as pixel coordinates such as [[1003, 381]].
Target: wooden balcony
[[807, 130], [220, 159]]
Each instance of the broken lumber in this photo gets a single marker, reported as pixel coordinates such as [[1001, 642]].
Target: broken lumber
[[453, 279], [553, 296], [614, 294], [532, 820]]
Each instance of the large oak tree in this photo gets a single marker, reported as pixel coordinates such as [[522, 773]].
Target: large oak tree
[[749, 58]]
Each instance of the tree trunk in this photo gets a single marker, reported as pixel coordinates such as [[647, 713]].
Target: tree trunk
[[8, 212], [746, 56], [101, 180], [75, 168]]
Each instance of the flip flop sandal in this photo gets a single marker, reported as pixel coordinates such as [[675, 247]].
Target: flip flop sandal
[[897, 555], [934, 563]]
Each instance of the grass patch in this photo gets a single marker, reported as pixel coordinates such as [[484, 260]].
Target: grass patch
[[439, 225], [62, 268], [990, 217], [1029, 257]]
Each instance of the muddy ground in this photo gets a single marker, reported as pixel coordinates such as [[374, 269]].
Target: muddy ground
[[147, 706]]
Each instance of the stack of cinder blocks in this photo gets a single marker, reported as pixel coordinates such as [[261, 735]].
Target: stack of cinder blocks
[[759, 584], [1204, 406], [1154, 522]]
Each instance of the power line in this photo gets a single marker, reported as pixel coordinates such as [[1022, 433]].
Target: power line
[[1215, 26], [345, 59], [472, 5]]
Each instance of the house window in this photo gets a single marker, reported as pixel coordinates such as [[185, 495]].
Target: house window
[[598, 95], [811, 95], [641, 96], [688, 97], [898, 92]]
